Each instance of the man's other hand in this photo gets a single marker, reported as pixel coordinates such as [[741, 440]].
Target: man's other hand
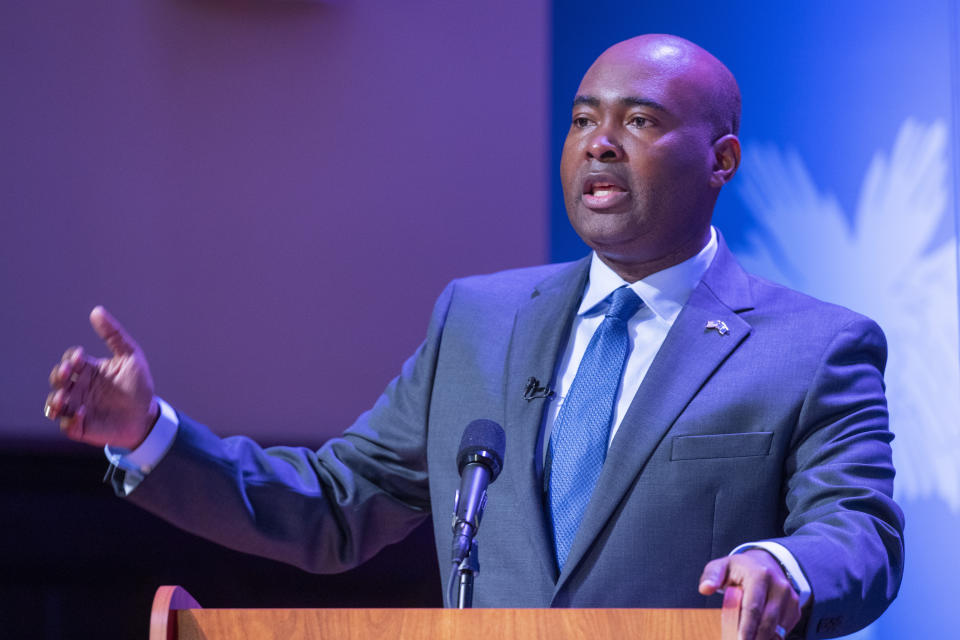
[[769, 600], [104, 400]]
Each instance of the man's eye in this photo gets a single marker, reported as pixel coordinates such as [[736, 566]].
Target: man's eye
[[640, 122], [581, 122]]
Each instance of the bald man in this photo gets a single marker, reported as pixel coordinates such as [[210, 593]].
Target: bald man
[[674, 425]]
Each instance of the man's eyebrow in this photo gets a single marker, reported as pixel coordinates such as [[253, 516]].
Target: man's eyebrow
[[632, 101], [589, 101], [627, 101]]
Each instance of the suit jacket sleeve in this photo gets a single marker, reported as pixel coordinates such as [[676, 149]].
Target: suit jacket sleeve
[[324, 511], [843, 526]]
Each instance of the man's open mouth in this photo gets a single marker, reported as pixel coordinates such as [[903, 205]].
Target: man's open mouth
[[603, 192]]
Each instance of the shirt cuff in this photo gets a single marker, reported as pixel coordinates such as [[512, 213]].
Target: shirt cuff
[[138, 463], [787, 562]]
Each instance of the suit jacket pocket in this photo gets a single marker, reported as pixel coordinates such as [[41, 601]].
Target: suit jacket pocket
[[721, 445]]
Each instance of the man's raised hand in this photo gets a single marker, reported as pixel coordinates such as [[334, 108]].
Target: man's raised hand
[[104, 400]]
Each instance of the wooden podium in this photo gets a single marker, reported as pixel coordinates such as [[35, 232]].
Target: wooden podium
[[177, 616]]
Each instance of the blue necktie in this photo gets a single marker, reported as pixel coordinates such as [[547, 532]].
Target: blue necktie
[[578, 443]]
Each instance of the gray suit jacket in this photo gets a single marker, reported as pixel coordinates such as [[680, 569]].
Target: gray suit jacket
[[775, 430]]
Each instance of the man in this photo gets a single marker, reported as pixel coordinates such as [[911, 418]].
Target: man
[[684, 409]]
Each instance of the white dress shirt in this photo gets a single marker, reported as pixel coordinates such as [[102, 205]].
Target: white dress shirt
[[663, 293]]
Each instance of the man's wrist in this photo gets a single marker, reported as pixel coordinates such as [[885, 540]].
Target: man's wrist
[[153, 414], [139, 462], [788, 563]]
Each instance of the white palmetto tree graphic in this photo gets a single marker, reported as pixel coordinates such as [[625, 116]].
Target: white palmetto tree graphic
[[889, 261]]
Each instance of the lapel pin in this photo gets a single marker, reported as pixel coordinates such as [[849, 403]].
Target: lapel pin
[[719, 325]]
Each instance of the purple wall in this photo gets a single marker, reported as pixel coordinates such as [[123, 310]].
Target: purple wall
[[269, 196]]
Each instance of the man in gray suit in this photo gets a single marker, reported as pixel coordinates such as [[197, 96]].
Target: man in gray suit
[[744, 439]]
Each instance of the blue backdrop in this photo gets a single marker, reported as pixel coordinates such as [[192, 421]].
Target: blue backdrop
[[847, 191]]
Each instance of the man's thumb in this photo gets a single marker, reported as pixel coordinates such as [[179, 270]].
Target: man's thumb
[[112, 332], [713, 576]]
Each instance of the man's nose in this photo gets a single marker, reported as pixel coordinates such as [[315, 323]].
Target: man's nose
[[604, 148]]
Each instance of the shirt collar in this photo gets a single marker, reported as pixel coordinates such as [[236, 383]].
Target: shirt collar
[[664, 292]]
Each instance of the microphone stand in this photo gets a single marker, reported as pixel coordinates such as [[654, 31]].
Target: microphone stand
[[468, 569]]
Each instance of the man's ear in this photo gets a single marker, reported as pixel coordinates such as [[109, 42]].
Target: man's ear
[[726, 154]]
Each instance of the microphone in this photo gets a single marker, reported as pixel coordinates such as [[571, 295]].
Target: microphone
[[479, 461]]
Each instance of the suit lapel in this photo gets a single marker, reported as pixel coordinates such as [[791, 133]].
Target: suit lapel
[[538, 339], [688, 357]]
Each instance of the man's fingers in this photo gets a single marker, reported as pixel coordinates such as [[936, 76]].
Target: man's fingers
[[790, 614], [72, 426], [768, 599], [782, 609], [60, 370], [770, 620], [752, 609], [56, 405], [730, 612], [74, 365], [714, 576], [49, 409], [70, 387], [112, 332], [55, 375], [70, 354]]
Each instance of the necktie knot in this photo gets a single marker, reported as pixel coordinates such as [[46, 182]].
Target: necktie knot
[[623, 304]]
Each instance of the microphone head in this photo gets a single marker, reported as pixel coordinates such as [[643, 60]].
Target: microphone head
[[483, 441]]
